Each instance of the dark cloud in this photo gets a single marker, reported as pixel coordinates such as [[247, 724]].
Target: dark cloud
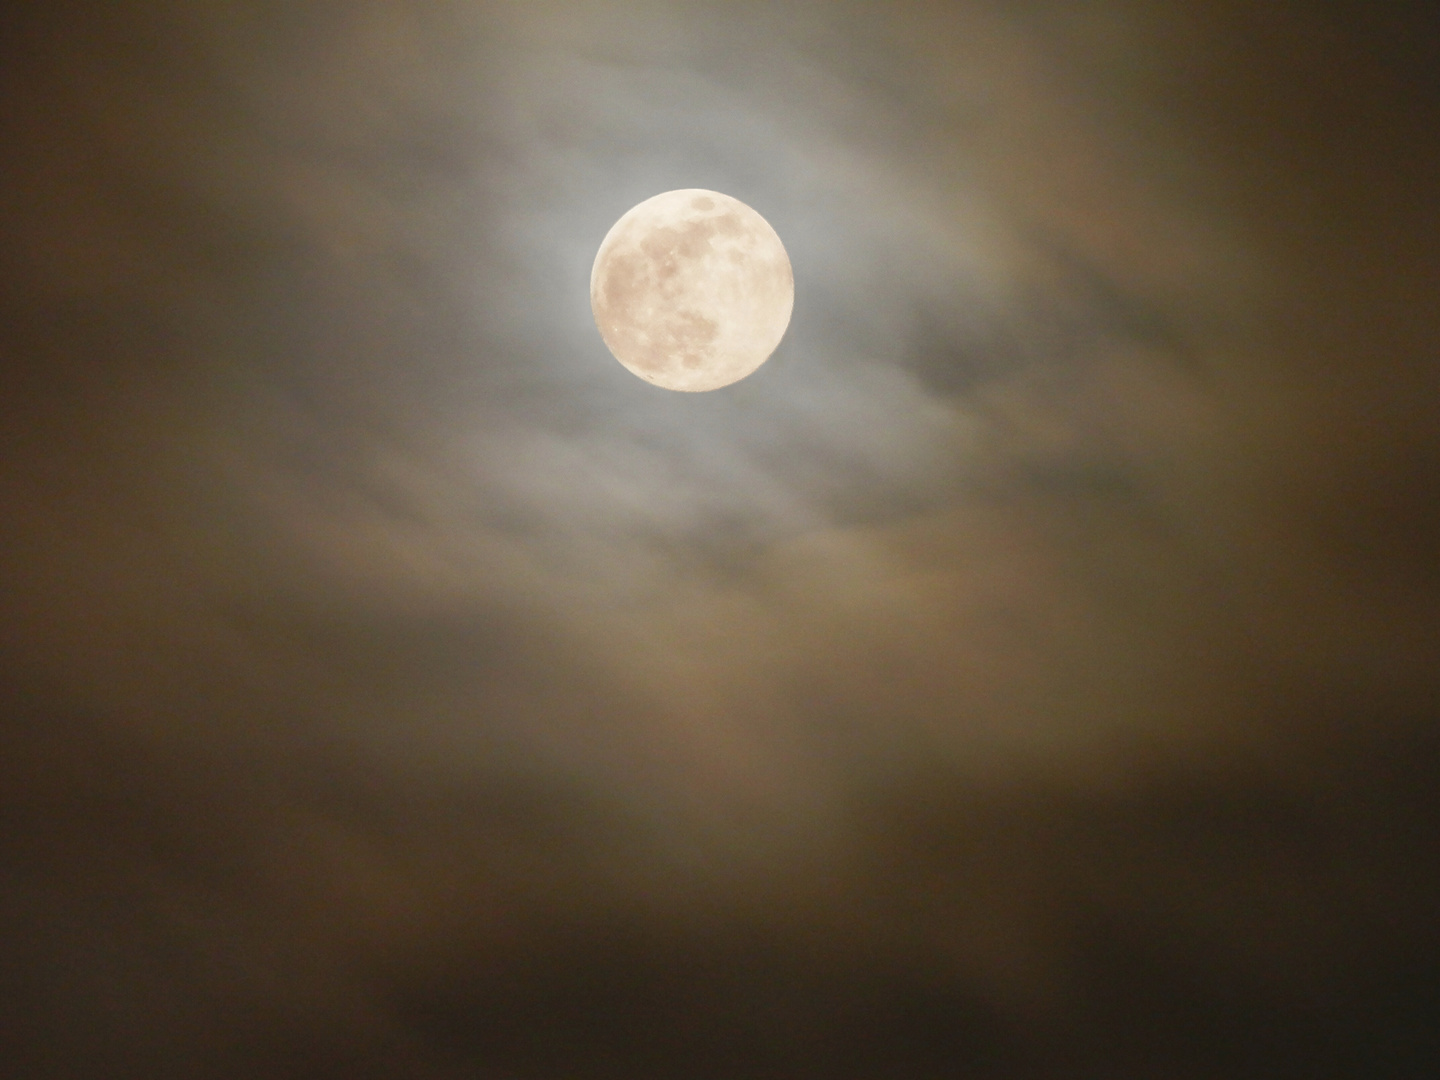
[[1030, 671]]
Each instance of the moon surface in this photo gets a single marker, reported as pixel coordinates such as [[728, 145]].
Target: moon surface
[[692, 290]]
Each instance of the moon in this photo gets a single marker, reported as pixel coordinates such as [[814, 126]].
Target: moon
[[692, 290]]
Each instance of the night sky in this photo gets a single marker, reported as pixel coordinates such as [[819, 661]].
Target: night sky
[[1032, 671]]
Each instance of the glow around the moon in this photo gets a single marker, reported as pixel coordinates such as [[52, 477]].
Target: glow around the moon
[[692, 290]]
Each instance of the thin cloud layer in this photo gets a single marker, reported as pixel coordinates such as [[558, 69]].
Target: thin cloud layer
[[1029, 671]]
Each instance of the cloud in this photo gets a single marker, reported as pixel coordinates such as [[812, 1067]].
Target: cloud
[[1028, 670]]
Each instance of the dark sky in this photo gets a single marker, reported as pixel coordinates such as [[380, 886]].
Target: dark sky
[[1032, 671]]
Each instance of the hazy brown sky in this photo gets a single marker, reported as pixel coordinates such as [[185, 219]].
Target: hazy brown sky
[[1031, 671]]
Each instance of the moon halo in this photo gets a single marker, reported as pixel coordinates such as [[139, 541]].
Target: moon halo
[[692, 290]]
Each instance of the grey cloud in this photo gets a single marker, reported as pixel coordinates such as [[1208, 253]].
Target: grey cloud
[[1030, 671]]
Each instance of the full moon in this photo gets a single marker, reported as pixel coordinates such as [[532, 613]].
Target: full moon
[[692, 290]]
